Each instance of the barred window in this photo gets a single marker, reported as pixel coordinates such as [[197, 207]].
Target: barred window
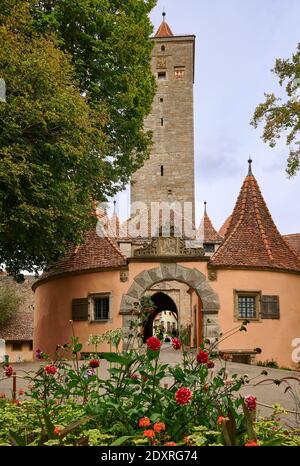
[[247, 307], [101, 307]]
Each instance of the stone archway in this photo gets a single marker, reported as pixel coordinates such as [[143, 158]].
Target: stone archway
[[172, 271]]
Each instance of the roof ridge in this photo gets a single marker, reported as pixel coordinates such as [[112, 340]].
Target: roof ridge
[[258, 219], [111, 242], [219, 250]]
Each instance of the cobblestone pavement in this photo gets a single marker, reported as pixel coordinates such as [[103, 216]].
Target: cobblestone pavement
[[267, 393]]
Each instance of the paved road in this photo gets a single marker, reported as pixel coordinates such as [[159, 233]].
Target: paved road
[[266, 393]]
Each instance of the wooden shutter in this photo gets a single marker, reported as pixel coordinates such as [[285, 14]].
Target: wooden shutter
[[270, 307], [80, 309]]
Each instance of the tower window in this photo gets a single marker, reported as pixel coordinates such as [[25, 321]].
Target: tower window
[[162, 75], [161, 100], [161, 122], [179, 72], [163, 48], [169, 192], [161, 170]]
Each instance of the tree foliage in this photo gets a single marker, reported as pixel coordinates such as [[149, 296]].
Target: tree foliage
[[65, 139], [108, 41], [282, 118], [10, 301]]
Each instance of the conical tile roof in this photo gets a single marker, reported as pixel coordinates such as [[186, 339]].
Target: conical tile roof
[[164, 29], [206, 231], [252, 238]]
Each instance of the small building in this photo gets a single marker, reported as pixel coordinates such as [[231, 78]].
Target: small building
[[16, 335]]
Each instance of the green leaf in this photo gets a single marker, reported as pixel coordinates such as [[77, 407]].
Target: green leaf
[[117, 358], [120, 441]]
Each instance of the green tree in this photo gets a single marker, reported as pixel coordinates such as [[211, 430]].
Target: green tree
[[282, 118], [57, 142], [109, 43], [10, 301]]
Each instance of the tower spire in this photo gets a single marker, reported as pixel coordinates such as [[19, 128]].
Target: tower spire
[[205, 204], [250, 166], [164, 29]]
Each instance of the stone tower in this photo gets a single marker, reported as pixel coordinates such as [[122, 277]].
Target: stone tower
[[168, 175]]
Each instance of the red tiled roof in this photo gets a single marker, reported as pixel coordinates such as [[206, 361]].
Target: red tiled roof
[[225, 226], [293, 241], [206, 231], [164, 30], [20, 325], [95, 252], [252, 238]]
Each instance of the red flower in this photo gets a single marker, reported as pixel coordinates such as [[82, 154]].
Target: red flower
[[21, 391], [176, 343], [18, 402], [153, 343], [50, 370], [210, 364], [220, 420], [159, 426], [8, 371], [56, 431], [183, 396], [250, 402], [2, 395], [94, 363], [149, 433], [170, 444], [134, 376], [251, 444], [202, 357], [144, 422]]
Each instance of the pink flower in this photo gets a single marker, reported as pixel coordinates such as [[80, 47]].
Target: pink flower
[[94, 363], [202, 357], [250, 402], [8, 371], [176, 343], [153, 343], [50, 369], [183, 396]]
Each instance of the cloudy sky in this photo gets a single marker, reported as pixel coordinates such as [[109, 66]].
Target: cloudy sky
[[237, 42]]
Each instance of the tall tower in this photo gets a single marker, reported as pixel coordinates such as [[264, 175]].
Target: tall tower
[[168, 175]]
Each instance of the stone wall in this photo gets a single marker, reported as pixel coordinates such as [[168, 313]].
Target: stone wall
[[173, 137]]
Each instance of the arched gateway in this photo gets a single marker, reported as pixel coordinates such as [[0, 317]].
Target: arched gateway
[[169, 272]]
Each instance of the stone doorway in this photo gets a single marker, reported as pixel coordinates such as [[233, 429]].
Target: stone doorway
[[192, 277]]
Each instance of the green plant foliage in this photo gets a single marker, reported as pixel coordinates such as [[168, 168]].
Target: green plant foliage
[[79, 85], [10, 301], [142, 401], [282, 118]]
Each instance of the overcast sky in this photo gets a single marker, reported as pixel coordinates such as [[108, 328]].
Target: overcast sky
[[237, 42]]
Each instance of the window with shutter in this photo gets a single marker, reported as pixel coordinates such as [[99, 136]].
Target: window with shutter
[[80, 309], [270, 308]]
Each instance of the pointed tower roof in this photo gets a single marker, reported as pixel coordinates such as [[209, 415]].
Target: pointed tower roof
[[225, 226], [206, 231], [252, 238], [164, 29]]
